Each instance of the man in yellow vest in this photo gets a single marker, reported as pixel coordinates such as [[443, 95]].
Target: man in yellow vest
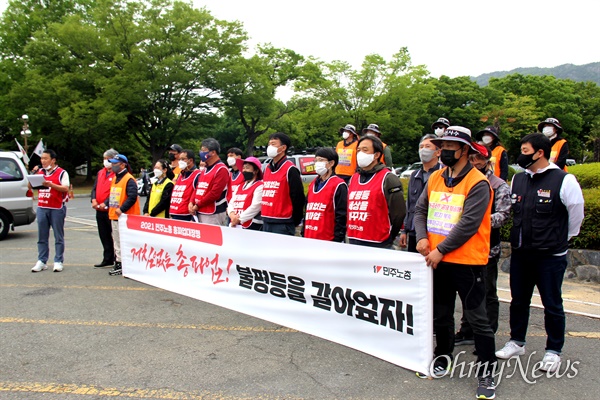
[[552, 129], [123, 199], [453, 224], [346, 150]]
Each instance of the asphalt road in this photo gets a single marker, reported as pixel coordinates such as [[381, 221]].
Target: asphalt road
[[82, 334]]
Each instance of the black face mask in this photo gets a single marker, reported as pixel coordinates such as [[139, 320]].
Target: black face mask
[[248, 175], [448, 158], [171, 157], [526, 160], [483, 170]]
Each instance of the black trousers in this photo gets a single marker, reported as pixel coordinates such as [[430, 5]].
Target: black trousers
[[105, 233], [492, 304], [469, 282]]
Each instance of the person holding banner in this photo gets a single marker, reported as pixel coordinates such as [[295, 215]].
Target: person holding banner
[[100, 193], [185, 187], [51, 211], [123, 199], [159, 200], [209, 202], [376, 206], [327, 200], [283, 191], [245, 205], [453, 224]]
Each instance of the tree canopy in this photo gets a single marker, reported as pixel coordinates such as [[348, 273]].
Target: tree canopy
[[141, 75]]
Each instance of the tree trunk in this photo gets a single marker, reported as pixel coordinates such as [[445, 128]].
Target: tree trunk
[[597, 150]]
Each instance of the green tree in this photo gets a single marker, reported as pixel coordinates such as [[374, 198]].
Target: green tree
[[249, 88]]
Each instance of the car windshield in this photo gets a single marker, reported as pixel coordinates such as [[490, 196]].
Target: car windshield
[[9, 170]]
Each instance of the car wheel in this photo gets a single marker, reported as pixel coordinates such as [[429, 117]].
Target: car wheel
[[4, 225]]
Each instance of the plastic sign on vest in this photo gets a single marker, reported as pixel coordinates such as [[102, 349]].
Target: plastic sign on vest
[[373, 300]]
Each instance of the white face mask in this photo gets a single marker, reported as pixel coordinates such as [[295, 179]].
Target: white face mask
[[487, 139], [106, 164], [231, 161], [426, 154], [439, 132], [201, 168], [364, 160], [345, 135], [272, 151], [48, 168], [548, 131], [157, 173], [321, 167], [182, 164]]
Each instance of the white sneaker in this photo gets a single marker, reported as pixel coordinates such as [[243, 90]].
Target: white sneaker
[[509, 350], [39, 266], [550, 362], [57, 267]]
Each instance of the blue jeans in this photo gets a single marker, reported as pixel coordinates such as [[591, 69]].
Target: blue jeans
[[527, 270], [55, 218]]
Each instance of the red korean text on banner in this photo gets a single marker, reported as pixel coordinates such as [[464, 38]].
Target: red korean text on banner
[[210, 234]]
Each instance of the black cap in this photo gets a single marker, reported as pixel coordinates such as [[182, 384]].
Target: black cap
[[176, 147]]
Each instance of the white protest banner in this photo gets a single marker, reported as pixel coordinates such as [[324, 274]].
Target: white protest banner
[[373, 300]]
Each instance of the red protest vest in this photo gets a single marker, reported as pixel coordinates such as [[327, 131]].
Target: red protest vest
[[103, 182], [276, 201], [319, 222], [368, 216], [234, 183], [242, 199], [183, 193], [206, 184], [50, 197]]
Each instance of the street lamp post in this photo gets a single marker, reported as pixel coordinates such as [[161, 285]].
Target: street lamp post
[[25, 132]]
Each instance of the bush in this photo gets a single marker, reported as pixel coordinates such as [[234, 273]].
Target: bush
[[588, 175]]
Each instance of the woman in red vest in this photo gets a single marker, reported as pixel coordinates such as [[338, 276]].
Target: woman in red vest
[[245, 205], [327, 200], [100, 193]]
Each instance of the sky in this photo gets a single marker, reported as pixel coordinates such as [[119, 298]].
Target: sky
[[454, 38]]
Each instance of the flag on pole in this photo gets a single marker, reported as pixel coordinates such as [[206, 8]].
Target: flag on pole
[[23, 152], [39, 149]]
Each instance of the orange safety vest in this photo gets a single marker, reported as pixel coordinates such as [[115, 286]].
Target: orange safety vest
[[347, 158], [445, 210], [118, 194], [495, 159], [555, 151]]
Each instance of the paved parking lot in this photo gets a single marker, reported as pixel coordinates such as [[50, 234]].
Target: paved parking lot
[[81, 334]]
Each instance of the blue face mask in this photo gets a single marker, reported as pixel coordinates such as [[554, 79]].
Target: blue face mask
[[204, 155]]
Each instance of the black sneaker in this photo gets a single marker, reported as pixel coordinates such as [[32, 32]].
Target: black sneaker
[[460, 339], [117, 269], [441, 368], [486, 387]]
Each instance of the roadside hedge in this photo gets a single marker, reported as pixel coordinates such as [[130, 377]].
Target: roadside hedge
[[588, 175]]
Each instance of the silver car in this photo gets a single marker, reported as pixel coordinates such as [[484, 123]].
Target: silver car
[[16, 199]]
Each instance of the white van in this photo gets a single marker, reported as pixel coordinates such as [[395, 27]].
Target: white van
[[16, 199]]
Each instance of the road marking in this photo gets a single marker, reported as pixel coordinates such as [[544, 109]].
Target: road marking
[[94, 390], [584, 314], [589, 303], [81, 221], [587, 335], [33, 285], [127, 324]]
